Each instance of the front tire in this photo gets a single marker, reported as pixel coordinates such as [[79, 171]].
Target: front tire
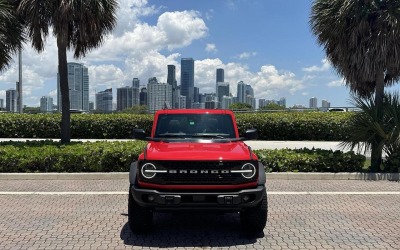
[[140, 219], [254, 219]]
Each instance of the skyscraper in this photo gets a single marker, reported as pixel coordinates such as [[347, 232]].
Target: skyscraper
[[143, 96], [313, 102], [135, 91], [219, 78], [282, 102], [241, 92], [222, 90], [124, 98], [187, 80], [220, 75], [104, 100], [159, 95], [1, 103], [326, 104], [46, 104], [11, 100], [78, 83], [171, 80]]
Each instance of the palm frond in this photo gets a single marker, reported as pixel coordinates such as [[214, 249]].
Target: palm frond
[[360, 39], [11, 33]]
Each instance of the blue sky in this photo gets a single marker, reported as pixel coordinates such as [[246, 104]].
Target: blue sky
[[265, 43]]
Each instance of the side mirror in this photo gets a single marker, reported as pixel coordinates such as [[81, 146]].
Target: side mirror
[[138, 134], [251, 134]]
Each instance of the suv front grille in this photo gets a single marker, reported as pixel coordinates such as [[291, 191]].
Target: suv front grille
[[199, 173]]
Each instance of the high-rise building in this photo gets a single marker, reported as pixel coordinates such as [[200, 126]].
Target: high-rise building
[[326, 104], [245, 94], [249, 90], [196, 94], [226, 102], [11, 100], [104, 100], [220, 75], [159, 95], [91, 105], [222, 90], [219, 78], [241, 92], [143, 96], [182, 102], [1, 103], [313, 102], [171, 80], [282, 102], [135, 91], [124, 98], [187, 80], [46, 104], [261, 103], [78, 83], [251, 101]]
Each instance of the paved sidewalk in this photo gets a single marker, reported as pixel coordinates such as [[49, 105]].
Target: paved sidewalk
[[366, 220]]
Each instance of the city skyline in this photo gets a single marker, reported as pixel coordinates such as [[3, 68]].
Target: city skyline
[[267, 44]]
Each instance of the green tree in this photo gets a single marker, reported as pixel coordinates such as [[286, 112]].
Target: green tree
[[272, 106], [240, 106], [136, 109], [11, 33], [361, 40], [365, 128], [77, 25], [31, 110]]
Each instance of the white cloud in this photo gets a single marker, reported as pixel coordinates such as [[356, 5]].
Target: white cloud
[[326, 65], [181, 28], [138, 49], [337, 83], [268, 82], [129, 12], [173, 30], [247, 55], [210, 47]]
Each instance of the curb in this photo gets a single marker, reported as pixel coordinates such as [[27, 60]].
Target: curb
[[270, 176]]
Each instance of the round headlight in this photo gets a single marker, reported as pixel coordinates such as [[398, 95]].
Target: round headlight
[[148, 170], [248, 170]]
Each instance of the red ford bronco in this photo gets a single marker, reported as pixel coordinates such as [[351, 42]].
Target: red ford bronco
[[195, 159]]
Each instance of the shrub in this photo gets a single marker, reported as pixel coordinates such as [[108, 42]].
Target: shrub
[[271, 126], [310, 160], [49, 156], [296, 126]]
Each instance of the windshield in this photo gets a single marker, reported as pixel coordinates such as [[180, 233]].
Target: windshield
[[218, 126]]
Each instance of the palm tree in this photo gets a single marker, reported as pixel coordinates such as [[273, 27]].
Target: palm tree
[[366, 129], [361, 40], [78, 25], [11, 33]]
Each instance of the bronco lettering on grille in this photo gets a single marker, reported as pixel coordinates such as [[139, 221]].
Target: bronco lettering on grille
[[184, 171]]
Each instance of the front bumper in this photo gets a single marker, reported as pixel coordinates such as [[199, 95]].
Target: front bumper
[[178, 200]]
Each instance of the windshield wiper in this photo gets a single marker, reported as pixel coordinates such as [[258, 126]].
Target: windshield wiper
[[172, 135], [210, 135]]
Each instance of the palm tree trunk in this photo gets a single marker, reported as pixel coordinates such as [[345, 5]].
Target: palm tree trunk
[[376, 152], [64, 88]]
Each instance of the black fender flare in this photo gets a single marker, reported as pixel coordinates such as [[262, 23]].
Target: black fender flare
[[261, 174], [133, 173]]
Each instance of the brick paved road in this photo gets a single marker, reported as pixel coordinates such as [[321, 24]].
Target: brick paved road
[[295, 221]]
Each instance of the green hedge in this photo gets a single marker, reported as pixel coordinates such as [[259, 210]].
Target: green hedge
[[49, 156], [321, 126], [296, 126], [310, 160]]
